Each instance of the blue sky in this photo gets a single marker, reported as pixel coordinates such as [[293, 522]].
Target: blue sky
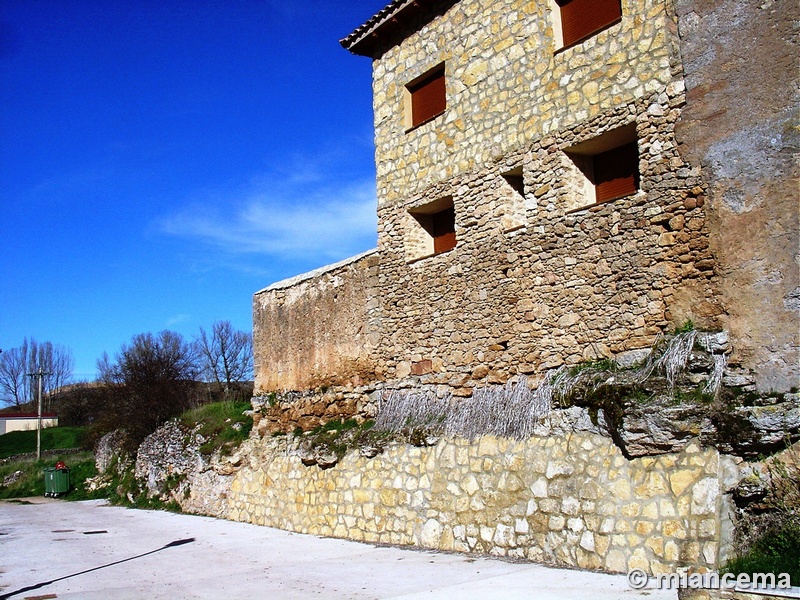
[[162, 160]]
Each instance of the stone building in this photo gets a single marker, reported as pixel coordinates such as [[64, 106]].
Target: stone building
[[558, 181]]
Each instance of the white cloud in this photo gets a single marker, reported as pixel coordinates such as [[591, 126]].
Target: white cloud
[[286, 219], [177, 319]]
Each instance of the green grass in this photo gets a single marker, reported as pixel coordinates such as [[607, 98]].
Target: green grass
[[338, 426], [125, 490], [777, 551], [31, 483], [221, 423], [697, 395], [340, 436], [53, 438], [599, 365]]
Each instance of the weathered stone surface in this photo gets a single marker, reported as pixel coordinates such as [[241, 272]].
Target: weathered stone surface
[[12, 478], [169, 452], [286, 411], [751, 431], [747, 431], [740, 125], [108, 449], [317, 329], [653, 428]]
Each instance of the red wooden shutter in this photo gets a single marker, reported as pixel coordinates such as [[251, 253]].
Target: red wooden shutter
[[444, 230], [616, 173], [582, 18], [428, 98]]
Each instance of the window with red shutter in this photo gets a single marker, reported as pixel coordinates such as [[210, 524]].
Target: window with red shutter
[[428, 97], [603, 168], [616, 173], [444, 230], [433, 228], [582, 18]]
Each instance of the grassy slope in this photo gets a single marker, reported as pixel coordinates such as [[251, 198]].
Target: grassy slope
[[53, 438], [221, 423], [31, 483]]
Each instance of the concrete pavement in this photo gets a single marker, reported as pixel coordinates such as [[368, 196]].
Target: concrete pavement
[[89, 550]]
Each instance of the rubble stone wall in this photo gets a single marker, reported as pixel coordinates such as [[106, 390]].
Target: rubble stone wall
[[571, 500], [538, 277], [565, 286]]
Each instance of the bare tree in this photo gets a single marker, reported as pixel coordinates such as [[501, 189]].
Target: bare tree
[[13, 384], [61, 367], [226, 356], [30, 357], [56, 362], [150, 381]]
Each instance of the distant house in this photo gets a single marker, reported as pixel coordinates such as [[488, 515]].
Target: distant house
[[25, 421]]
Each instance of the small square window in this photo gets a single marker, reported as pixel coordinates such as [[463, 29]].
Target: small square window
[[603, 169], [432, 229], [580, 19], [426, 97], [515, 181]]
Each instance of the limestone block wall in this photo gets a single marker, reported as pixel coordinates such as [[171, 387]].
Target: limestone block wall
[[508, 84], [318, 329], [571, 500]]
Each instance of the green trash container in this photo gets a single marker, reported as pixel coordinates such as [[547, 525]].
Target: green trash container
[[56, 481]]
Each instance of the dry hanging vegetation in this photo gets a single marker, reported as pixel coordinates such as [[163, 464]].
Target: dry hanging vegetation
[[513, 410]]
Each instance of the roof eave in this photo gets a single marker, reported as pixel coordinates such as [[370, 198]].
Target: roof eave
[[392, 25]]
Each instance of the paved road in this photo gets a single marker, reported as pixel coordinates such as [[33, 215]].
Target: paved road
[[90, 550]]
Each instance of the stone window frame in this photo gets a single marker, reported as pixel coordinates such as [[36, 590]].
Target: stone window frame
[[579, 160], [558, 28], [431, 76], [421, 229]]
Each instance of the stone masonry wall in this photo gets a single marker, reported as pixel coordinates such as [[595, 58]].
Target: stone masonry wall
[[318, 329], [539, 278], [570, 500], [508, 85], [564, 287]]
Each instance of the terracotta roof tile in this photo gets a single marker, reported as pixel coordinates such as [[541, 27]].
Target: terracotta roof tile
[[392, 24]]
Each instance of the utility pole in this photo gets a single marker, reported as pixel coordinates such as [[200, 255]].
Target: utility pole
[[40, 375]]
